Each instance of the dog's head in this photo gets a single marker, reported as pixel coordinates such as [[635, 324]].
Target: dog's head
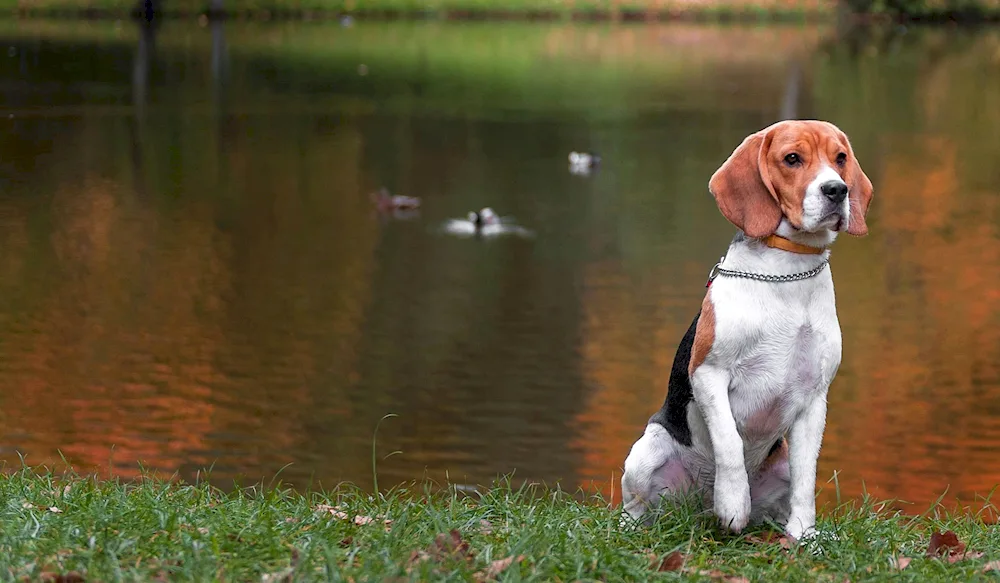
[[804, 171]]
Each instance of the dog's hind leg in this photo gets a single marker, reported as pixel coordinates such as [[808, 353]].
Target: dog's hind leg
[[653, 470]]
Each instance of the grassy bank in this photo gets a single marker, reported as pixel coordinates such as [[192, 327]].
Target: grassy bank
[[602, 71], [708, 10], [619, 10], [107, 530]]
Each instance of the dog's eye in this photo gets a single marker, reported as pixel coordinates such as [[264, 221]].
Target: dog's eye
[[841, 159], [792, 159]]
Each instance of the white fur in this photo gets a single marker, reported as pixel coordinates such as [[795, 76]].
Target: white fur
[[776, 350], [654, 466], [819, 212]]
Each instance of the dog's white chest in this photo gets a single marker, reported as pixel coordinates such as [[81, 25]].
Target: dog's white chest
[[783, 354], [806, 366]]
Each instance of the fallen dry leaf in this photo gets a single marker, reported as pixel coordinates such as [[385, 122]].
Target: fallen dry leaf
[[672, 562], [166, 570], [720, 576], [770, 538], [766, 538], [334, 511], [900, 562], [452, 544], [991, 566], [55, 510], [485, 526], [947, 546], [71, 577], [964, 556], [497, 567], [338, 513], [347, 541], [282, 576], [27, 505], [445, 546], [416, 557], [944, 543]]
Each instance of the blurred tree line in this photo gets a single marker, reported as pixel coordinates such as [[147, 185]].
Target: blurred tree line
[[929, 10]]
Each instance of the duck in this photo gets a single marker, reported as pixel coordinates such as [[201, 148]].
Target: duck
[[485, 222], [388, 202], [484, 218], [584, 160]]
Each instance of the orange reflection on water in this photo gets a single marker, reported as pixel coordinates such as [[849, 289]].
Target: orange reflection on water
[[630, 335], [77, 335], [921, 360], [144, 338]]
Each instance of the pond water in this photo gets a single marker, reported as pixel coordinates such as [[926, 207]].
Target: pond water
[[193, 275]]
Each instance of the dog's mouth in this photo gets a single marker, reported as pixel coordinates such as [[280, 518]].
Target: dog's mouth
[[833, 221]]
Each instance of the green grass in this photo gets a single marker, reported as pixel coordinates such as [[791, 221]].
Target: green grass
[[156, 530]]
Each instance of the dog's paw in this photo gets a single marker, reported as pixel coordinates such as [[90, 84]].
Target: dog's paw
[[634, 511], [635, 516], [814, 540], [652, 470], [732, 504], [801, 529]]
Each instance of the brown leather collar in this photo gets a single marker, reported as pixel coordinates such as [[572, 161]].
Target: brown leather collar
[[778, 242]]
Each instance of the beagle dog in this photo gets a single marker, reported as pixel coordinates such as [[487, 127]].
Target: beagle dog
[[745, 409]]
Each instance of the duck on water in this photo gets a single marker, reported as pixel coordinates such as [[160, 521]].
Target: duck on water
[[484, 223], [583, 162]]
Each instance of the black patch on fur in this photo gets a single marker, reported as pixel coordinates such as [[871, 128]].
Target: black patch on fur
[[775, 447], [673, 415]]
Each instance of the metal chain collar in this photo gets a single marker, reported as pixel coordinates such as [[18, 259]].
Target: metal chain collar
[[717, 271]]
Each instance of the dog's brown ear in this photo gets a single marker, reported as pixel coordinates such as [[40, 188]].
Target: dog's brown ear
[[742, 188], [860, 191]]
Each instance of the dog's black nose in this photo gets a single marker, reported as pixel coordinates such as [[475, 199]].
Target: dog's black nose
[[834, 190]]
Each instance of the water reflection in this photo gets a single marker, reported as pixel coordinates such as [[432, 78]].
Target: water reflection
[[192, 273]]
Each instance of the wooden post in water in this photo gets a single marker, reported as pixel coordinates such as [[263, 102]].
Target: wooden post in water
[[218, 53], [215, 9], [219, 61], [140, 90], [790, 99], [140, 68]]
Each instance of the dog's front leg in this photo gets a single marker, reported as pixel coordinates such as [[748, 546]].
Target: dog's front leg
[[804, 441], [710, 386]]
